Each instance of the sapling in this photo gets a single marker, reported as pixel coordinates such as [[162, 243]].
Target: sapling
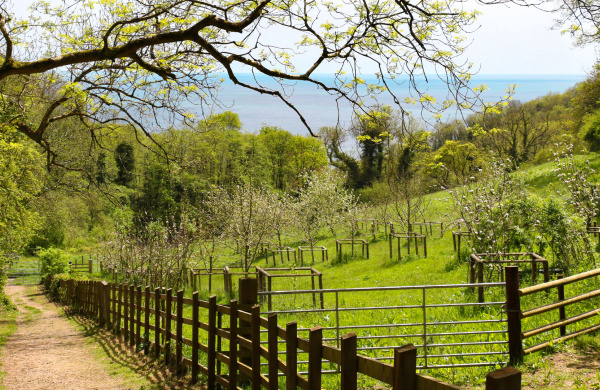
[[247, 216], [322, 202]]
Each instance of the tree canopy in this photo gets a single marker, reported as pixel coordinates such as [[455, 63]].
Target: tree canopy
[[141, 63]]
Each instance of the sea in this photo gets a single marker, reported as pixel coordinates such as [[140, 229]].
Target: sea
[[322, 109]]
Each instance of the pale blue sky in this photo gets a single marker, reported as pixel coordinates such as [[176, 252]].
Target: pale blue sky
[[519, 40]]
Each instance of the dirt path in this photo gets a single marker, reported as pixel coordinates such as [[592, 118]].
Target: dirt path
[[48, 352]]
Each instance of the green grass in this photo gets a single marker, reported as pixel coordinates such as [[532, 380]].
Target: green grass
[[8, 325]]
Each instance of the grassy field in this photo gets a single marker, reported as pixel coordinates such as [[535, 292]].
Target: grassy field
[[481, 323]]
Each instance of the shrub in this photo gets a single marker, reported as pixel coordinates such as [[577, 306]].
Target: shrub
[[54, 262], [54, 290]]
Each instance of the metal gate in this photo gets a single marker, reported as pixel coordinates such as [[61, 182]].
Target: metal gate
[[24, 272]]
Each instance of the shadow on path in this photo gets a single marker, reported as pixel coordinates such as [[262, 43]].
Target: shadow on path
[[120, 353]]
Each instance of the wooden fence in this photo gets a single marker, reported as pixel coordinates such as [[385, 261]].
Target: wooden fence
[[515, 316], [154, 321]]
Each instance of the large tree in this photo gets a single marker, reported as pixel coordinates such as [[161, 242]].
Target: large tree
[[140, 62]]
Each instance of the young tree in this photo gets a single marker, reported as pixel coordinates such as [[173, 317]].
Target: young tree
[[496, 210], [322, 202], [404, 177], [159, 256], [247, 217]]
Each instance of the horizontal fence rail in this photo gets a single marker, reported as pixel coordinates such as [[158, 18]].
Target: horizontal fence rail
[[548, 311], [233, 345]]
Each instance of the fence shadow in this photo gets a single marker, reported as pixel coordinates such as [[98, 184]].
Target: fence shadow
[[123, 355]]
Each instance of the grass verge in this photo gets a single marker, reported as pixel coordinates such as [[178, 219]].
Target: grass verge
[[135, 369], [8, 325]]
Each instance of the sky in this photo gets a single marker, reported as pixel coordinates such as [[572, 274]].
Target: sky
[[509, 40], [519, 40]]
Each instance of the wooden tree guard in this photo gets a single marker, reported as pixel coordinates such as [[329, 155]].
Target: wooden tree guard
[[457, 238], [594, 229], [230, 271], [279, 250], [266, 275], [366, 226], [312, 250], [408, 236], [430, 224], [352, 242]]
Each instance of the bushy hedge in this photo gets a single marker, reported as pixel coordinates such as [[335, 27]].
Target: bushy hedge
[[53, 288], [54, 262]]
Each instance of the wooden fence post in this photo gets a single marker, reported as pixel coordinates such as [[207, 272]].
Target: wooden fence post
[[113, 303], [349, 364], [132, 315], [90, 297], [138, 318], [168, 318], [146, 320], [179, 341], [562, 315], [248, 297], [508, 378], [157, 322], [125, 311], [233, 331], [195, 326], [405, 368], [212, 333], [105, 300], [513, 316], [100, 289], [97, 301], [291, 350], [119, 306], [315, 354], [273, 356], [91, 266], [255, 338]]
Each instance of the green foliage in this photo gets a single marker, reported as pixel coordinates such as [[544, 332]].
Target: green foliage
[[452, 131], [54, 261], [50, 234], [101, 168], [155, 201], [288, 156], [455, 163], [125, 160], [53, 288], [20, 182], [591, 130], [587, 96]]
